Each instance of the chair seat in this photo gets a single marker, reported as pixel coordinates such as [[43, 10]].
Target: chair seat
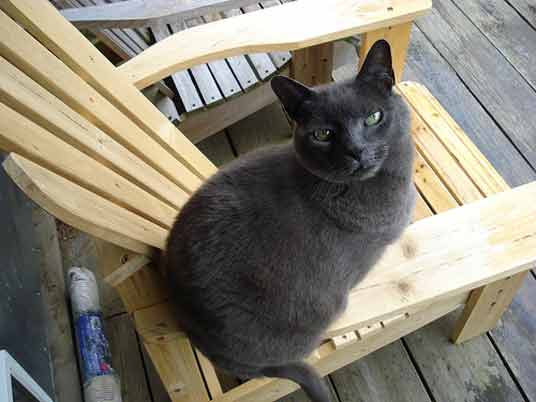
[[396, 298]]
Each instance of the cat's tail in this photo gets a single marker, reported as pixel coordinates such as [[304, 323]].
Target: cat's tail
[[303, 374]]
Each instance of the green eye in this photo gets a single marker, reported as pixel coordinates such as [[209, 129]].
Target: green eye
[[323, 135], [373, 119]]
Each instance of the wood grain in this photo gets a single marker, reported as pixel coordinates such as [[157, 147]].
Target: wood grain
[[44, 22], [127, 358], [386, 375], [479, 65], [139, 13], [342, 18]]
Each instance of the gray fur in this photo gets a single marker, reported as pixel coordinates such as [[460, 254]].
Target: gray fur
[[261, 258]]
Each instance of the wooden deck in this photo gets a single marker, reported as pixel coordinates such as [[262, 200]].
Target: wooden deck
[[478, 58]]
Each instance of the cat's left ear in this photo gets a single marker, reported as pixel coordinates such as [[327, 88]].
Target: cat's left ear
[[378, 67], [292, 95]]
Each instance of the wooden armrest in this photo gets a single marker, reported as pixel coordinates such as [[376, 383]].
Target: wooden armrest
[[292, 26], [142, 13]]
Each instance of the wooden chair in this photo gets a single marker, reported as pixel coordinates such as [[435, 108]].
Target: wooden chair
[[89, 148], [212, 95]]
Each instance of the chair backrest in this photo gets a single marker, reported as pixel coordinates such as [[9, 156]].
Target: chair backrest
[[91, 149], [80, 133]]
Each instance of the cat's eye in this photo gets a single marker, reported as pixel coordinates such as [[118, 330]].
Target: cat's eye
[[373, 119], [323, 135]]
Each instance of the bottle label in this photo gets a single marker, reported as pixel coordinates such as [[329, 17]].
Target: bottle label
[[95, 353]]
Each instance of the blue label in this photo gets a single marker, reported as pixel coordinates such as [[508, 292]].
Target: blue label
[[94, 350]]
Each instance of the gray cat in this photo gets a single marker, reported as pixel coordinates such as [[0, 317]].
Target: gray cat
[[261, 259]]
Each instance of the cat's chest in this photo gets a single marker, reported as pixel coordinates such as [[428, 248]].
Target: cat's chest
[[382, 207]]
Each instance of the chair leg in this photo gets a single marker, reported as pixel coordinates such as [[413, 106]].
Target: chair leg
[[398, 38], [313, 65], [485, 307]]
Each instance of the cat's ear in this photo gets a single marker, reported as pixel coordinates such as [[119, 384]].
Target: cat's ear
[[292, 94], [378, 67]]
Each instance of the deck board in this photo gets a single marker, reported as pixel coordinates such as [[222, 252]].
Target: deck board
[[495, 82]]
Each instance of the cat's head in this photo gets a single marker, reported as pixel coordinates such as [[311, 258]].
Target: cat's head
[[346, 131]]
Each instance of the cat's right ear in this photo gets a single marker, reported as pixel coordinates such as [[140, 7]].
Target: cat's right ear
[[292, 94]]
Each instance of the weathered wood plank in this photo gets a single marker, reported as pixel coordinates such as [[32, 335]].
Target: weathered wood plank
[[527, 9], [425, 65], [182, 80], [223, 75], [386, 375], [138, 13], [206, 84], [507, 30], [60, 336], [514, 336], [454, 373], [23, 327], [482, 68], [199, 126], [239, 64], [127, 358]]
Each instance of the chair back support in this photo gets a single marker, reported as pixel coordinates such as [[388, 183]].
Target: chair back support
[[86, 135], [90, 148]]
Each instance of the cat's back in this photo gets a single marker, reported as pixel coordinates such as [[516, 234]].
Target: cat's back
[[251, 193]]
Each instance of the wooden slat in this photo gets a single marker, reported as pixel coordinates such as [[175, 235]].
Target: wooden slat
[[422, 210], [20, 135], [453, 138], [182, 80], [206, 84], [141, 290], [138, 13], [492, 239], [223, 75], [261, 62], [126, 270], [31, 100], [83, 209], [177, 367], [313, 65], [443, 163], [239, 64], [63, 39], [272, 29], [209, 374], [328, 359], [127, 358], [29, 56], [398, 38], [279, 58], [431, 187], [486, 305], [200, 126], [157, 323]]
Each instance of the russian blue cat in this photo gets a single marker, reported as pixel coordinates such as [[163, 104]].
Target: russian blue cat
[[262, 257]]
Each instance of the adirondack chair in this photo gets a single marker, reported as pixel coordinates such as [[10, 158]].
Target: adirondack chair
[[89, 148], [212, 95]]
